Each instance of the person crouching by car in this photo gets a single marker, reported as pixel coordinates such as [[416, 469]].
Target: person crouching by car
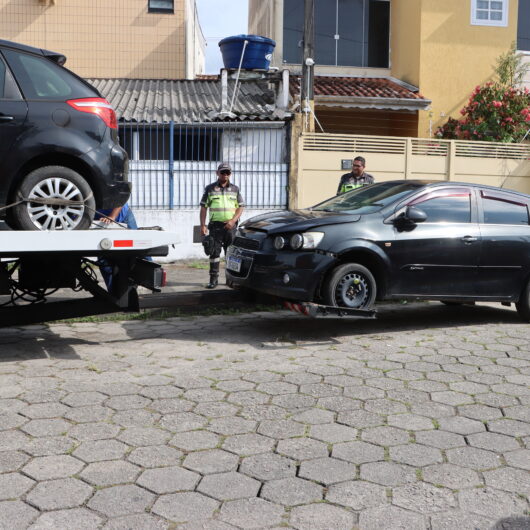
[[225, 203]]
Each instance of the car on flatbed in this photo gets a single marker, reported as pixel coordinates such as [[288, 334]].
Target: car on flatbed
[[408, 239], [58, 144]]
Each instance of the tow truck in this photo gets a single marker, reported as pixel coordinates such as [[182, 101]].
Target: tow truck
[[34, 265]]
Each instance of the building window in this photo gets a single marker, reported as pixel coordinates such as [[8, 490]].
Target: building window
[[160, 6], [347, 32], [523, 26], [489, 12]]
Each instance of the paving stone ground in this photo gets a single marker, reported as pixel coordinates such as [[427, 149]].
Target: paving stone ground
[[417, 420]]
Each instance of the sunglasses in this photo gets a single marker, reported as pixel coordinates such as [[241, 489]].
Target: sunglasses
[[225, 172]]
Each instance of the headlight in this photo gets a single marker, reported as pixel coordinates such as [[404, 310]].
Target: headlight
[[296, 241], [312, 239], [279, 242]]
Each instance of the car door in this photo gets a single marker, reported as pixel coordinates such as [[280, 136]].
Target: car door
[[438, 257], [505, 255], [13, 112]]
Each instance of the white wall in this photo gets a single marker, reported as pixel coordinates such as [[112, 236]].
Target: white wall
[[181, 222]]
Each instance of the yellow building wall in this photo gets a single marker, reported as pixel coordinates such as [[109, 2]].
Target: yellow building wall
[[101, 38], [452, 56]]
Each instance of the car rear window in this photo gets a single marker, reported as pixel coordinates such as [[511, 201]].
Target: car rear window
[[41, 78]]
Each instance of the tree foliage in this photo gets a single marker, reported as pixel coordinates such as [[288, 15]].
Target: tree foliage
[[497, 111]]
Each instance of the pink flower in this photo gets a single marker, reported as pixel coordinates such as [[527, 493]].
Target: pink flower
[[497, 104]]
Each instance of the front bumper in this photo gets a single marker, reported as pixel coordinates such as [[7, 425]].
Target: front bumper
[[264, 271]]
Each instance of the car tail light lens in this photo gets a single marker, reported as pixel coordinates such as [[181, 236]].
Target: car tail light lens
[[99, 106]]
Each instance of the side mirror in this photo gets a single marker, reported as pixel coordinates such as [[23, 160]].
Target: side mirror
[[415, 215]]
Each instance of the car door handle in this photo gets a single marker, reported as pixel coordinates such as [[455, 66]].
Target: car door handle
[[6, 118], [469, 239]]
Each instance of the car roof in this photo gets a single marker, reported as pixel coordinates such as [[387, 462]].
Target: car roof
[[56, 57]]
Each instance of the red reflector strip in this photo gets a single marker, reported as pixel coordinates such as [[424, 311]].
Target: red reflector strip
[[163, 283], [123, 243]]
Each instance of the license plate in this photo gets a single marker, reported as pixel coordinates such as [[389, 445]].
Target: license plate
[[233, 264]]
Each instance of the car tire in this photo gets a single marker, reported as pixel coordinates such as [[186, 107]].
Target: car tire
[[350, 285], [523, 305], [54, 182]]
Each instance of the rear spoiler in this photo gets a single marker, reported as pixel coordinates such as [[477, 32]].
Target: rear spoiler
[[58, 58]]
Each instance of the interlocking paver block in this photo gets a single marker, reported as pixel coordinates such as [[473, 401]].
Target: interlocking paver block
[[333, 432], [291, 491], [410, 422], [50, 467], [187, 506], [315, 416], [195, 440], [277, 388], [338, 404], [493, 441], [461, 520], [357, 494], [137, 522], [229, 486], [16, 515], [327, 470], [168, 479], [161, 392], [248, 444], [423, 498], [415, 455], [183, 421], [302, 448], [281, 428], [480, 412], [461, 425], [78, 518], [110, 473], [12, 460], [509, 479], [143, 436], [14, 485], [169, 405], [294, 401], [379, 517], [358, 452], [211, 461], [440, 439], [97, 450], [248, 397], [360, 419], [385, 406], [216, 409], [50, 427], [251, 513], [387, 473], [94, 431], [88, 414], [520, 459], [204, 394], [321, 517], [473, 458], [268, 466], [232, 425], [386, 436], [510, 427], [57, 494], [155, 456], [45, 410], [136, 418], [11, 420], [491, 502], [121, 500]]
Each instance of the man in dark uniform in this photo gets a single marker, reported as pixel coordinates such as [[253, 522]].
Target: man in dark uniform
[[357, 178], [225, 203]]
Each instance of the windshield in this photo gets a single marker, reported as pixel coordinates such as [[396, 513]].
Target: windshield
[[370, 198]]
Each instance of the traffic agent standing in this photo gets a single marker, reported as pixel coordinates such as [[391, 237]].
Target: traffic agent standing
[[356, 178], [225, 203]]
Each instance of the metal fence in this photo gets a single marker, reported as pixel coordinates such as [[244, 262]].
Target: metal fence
[[170, 164]]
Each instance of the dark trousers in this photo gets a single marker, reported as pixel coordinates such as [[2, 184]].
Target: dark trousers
[[222, 240]]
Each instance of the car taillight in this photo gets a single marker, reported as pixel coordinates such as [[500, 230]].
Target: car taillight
[[99, 106]]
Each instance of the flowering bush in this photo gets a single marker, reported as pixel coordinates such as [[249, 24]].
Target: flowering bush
[[496, 112]]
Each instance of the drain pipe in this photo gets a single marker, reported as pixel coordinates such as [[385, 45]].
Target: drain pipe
[[237, 76]]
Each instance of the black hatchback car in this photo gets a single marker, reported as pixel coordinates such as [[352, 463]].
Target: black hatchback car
[[447, 241], [58, 144]]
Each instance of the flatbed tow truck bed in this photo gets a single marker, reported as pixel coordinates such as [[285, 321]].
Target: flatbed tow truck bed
[[35, 264]]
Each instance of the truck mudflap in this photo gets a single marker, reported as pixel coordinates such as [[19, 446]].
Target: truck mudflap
[[313, 310]]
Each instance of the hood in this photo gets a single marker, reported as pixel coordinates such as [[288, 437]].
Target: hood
[[295, 221]]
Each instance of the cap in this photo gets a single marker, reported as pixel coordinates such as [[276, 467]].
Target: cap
[[224, 165]]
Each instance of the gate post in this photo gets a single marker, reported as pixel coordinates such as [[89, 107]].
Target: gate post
[[171, 165]]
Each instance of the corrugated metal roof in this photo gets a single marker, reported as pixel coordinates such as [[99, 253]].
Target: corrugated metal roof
[[185, 101]]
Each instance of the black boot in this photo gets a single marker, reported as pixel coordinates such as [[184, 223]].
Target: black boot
[[213, 282]]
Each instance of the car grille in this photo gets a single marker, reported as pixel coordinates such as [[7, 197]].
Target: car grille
[[248, 244]]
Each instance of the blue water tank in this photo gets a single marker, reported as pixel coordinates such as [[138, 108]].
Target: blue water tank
[[257, 56]]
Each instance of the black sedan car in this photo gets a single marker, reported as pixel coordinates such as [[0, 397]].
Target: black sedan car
[[432, 240]]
